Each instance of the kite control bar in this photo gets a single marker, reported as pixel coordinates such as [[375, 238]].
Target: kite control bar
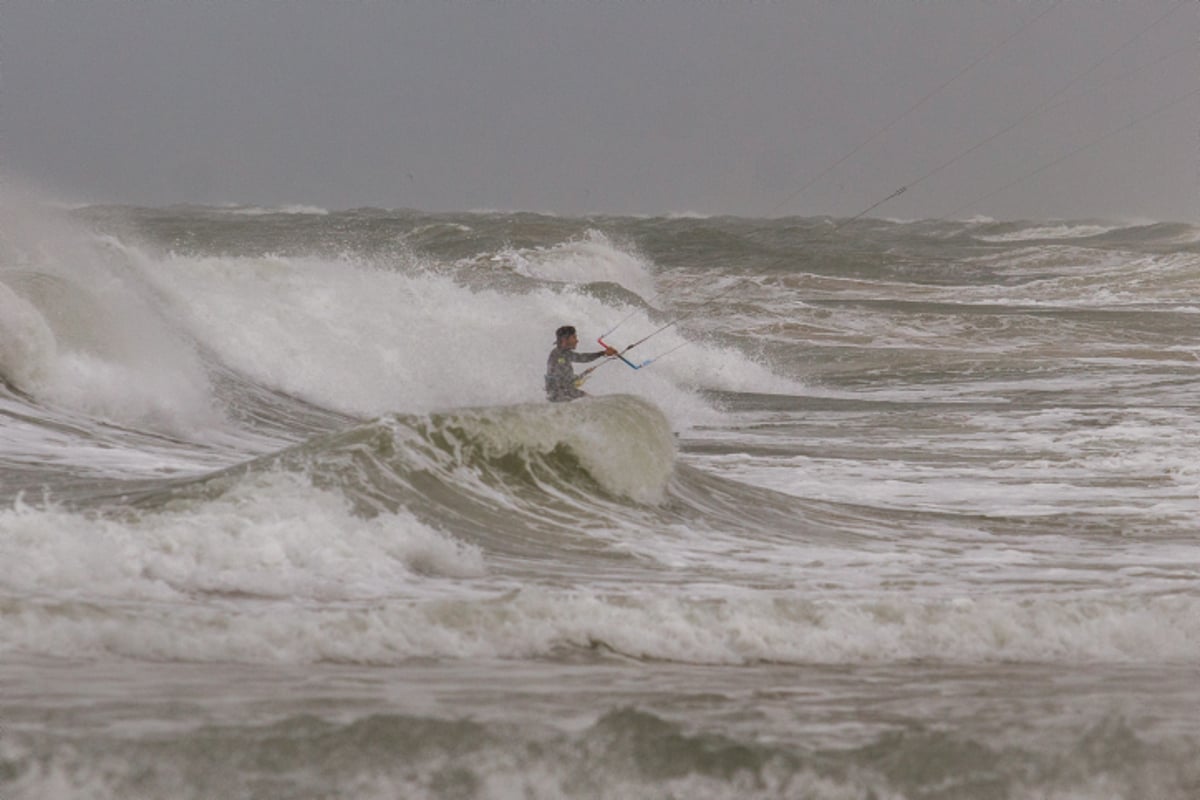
[[620, 354]]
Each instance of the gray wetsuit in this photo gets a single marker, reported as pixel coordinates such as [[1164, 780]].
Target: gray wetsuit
[[560, 375]]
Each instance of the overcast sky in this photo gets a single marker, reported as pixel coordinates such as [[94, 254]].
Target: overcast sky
[[620, 106]]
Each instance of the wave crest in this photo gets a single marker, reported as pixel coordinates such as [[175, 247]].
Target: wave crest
[[621, 443]]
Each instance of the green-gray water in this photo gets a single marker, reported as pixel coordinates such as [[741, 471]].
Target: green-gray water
[[898, 510]]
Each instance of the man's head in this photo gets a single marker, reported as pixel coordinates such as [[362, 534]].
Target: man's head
[[565, 336]]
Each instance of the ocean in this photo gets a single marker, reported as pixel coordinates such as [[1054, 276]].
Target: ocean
[[896, 510]]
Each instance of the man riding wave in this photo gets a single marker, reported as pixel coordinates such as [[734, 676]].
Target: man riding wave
[[561, 383]]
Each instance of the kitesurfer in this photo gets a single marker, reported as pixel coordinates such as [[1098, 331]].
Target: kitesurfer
[[560, 375]]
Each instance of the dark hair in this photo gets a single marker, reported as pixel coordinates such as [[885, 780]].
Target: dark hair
[[564, 332]]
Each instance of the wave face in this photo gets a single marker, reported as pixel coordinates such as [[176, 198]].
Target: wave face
[[897, 509]]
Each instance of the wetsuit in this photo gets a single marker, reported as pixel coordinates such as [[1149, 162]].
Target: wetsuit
[[560, 375]]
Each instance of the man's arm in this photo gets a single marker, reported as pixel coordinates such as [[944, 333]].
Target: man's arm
[[584, 357]]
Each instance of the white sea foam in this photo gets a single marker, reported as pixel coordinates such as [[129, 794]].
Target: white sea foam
[[272, 536], [745, 627]]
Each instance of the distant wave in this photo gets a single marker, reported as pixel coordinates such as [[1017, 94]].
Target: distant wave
[[258, 211], [1064, 231]]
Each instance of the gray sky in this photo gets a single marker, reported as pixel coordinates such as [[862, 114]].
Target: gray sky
[[663, 106]]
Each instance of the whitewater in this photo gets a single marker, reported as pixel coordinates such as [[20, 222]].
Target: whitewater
[[900, 509]]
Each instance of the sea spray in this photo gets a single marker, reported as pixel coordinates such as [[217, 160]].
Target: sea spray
[[84, 331]]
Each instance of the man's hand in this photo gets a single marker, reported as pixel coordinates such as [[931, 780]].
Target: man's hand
[[611, 352]]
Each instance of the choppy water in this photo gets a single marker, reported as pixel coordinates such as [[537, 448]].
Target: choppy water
[[903, 510]]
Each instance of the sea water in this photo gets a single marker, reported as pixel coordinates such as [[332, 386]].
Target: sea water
[[897, 510]]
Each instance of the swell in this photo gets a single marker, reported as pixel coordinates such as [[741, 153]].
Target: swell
[[510, 477], [514, 479], [625, 752]]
